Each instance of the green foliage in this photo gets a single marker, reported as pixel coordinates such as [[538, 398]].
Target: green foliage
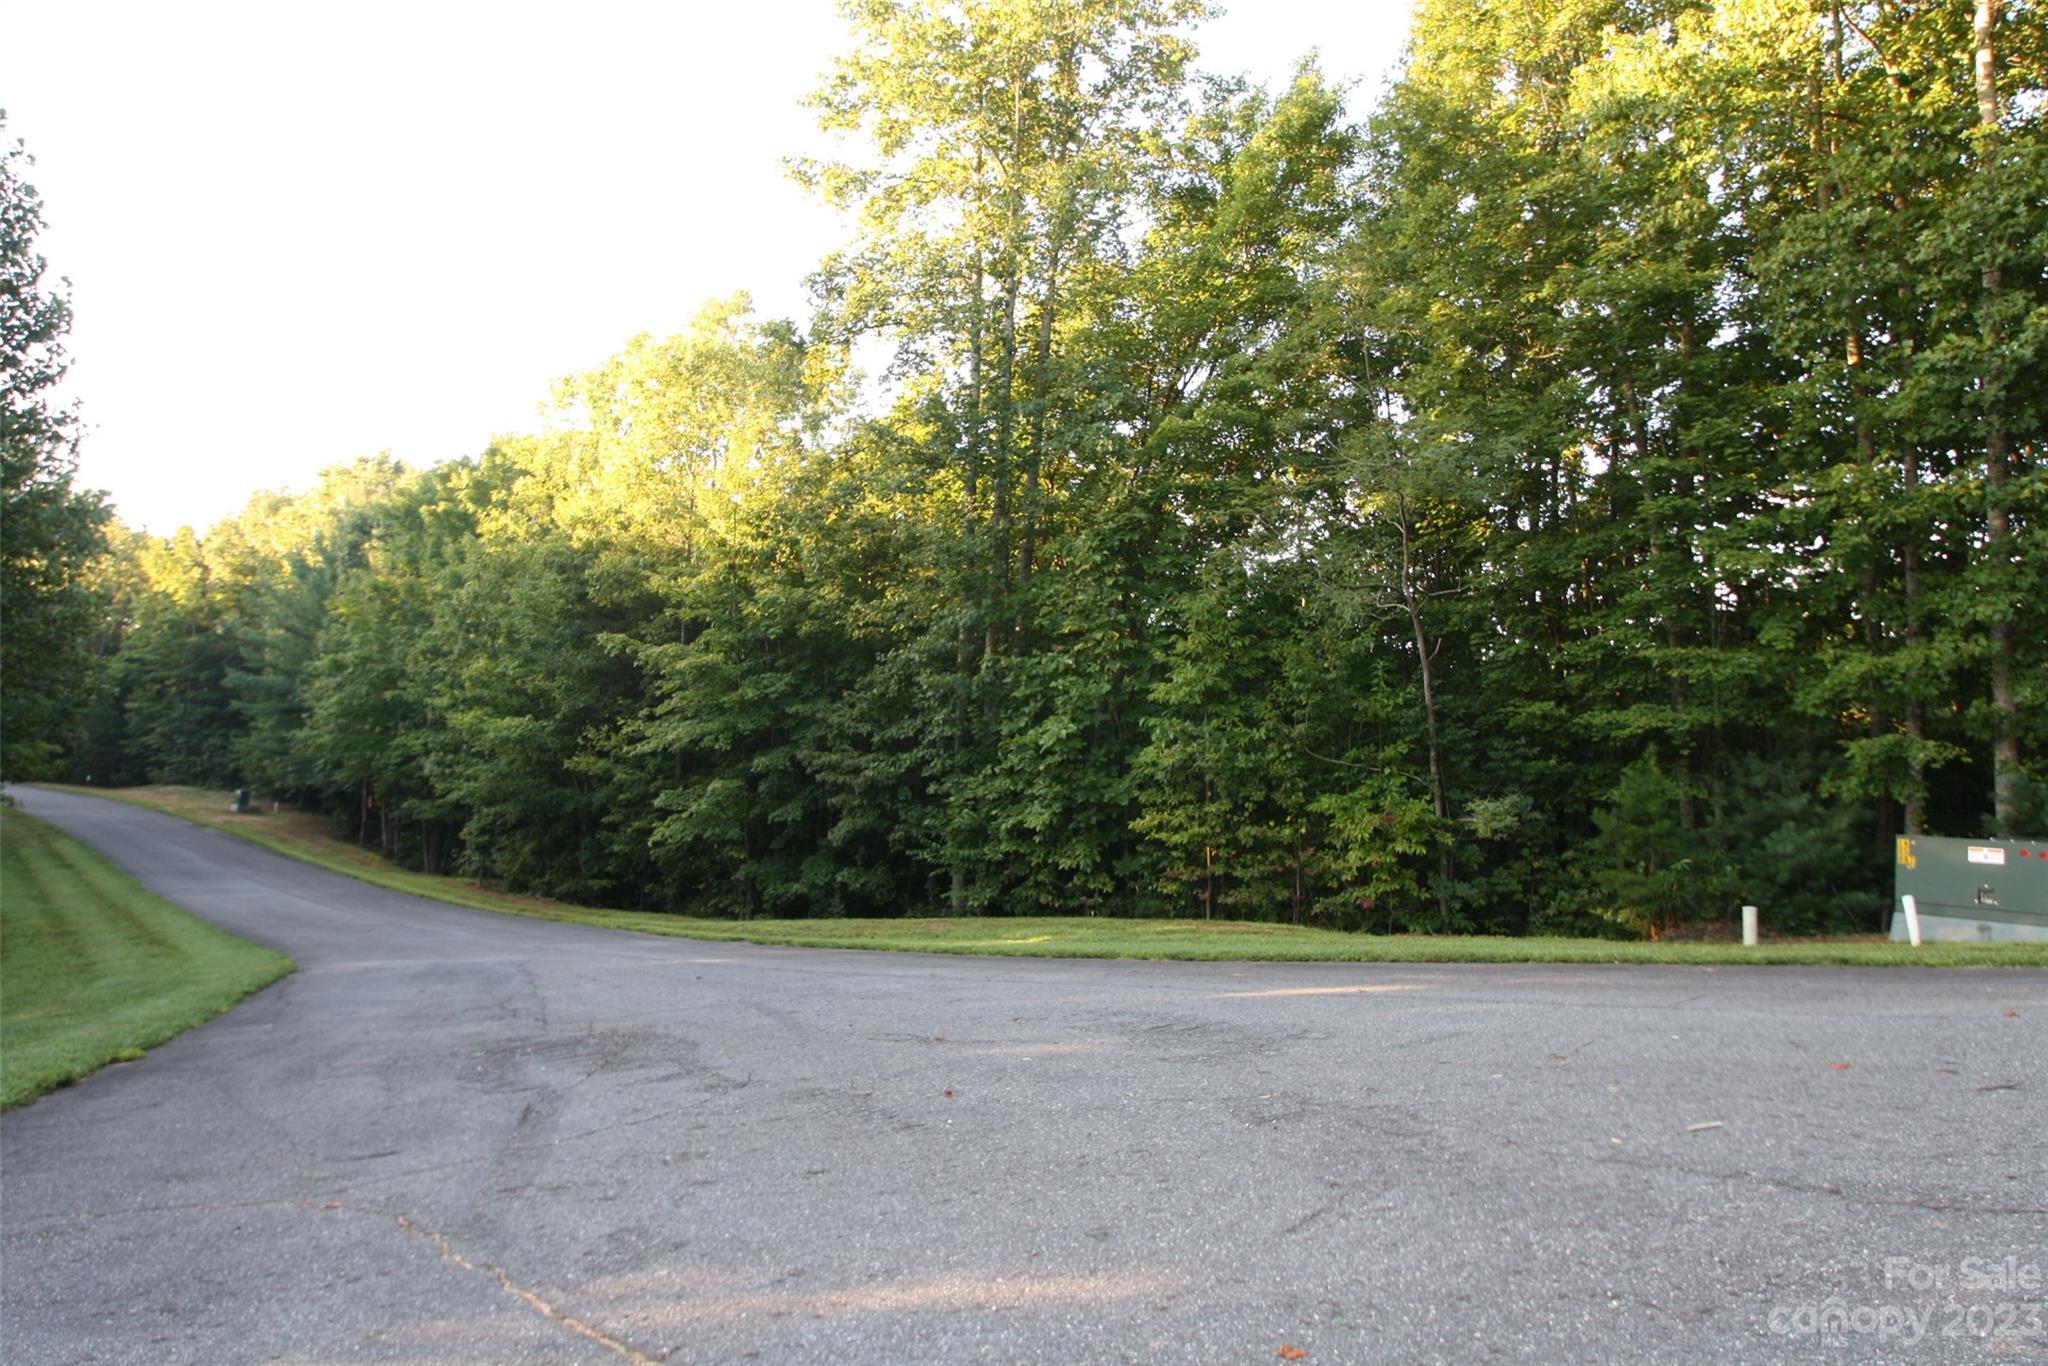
[[1379, 828], [1803, 860], [1601, 488], [1649, 872], [50, 532], [1090, 936], [174, 663]]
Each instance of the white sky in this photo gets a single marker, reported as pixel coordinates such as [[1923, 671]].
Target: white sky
[[300, 233]]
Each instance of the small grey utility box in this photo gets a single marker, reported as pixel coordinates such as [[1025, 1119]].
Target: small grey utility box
[[1972, 889]]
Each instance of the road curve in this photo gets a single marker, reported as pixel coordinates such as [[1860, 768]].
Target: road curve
[[460, 1137]]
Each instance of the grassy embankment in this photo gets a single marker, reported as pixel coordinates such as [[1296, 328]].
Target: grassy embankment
[[94, 968], [306, 837]]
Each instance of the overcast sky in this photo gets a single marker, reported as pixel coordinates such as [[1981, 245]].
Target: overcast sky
[[297, 233]]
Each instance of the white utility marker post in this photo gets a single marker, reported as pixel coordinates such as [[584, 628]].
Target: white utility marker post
[[1912, 921], [1749, 927]]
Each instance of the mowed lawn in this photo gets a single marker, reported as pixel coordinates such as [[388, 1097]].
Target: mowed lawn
[[306, 837], [94, 968]]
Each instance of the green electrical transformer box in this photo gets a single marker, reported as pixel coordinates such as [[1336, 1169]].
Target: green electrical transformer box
[[1971, 889]]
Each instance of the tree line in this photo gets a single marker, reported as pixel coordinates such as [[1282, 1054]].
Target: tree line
[[1597, 488]]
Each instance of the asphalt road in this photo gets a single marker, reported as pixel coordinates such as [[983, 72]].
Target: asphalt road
[[459, 1137]]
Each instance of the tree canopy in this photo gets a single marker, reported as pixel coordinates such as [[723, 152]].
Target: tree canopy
[[1598, 487], [50, 532]]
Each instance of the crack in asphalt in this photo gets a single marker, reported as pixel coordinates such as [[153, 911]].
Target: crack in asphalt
[[1818, 1188], [519, 1292], [1340, 1193], [650, 1146], [628, 1123]]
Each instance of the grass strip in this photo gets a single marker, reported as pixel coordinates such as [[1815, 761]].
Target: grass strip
[[305, 837], [94, 968]]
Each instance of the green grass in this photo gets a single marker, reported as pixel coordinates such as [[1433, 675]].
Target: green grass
[[94, 968], [305, 837]]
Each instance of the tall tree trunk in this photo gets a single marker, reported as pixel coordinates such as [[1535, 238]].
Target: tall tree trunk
[[1915, 816], [1002, 468], [970, 479], [1208, 882], [1914, 813], [1300, 875], [1000, 471], [2005, 750], [1879, 724], [1066, 81], [1439, 798], [1041, 399]]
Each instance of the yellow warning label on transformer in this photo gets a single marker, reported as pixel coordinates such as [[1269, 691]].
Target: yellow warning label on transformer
[[1906, 859]]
